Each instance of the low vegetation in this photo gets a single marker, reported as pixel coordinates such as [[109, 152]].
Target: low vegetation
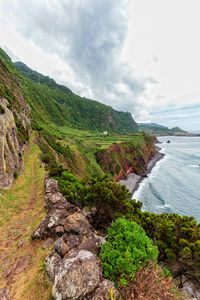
[[127, 250], [84, 160], [177, 238]]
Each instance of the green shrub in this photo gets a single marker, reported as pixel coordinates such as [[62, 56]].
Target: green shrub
[[15, 174], [69, 185], [127, 250]]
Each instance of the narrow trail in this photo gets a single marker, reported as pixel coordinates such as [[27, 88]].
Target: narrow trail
[[21, 210]]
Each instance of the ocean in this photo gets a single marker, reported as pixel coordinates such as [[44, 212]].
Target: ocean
[[173, 186]]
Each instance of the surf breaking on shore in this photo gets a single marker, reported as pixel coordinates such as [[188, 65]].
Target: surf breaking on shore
[[133, 180]]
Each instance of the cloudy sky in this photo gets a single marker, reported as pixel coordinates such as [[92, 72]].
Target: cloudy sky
[[141, 56]]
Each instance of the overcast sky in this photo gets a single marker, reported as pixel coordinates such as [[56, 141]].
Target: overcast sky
[[141, 56]]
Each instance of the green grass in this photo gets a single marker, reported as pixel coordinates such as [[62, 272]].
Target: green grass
[[21, 211], [14, 200]]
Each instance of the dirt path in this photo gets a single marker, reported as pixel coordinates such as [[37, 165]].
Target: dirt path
[[21, 210]]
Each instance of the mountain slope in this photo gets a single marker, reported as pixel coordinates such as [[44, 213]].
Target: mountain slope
[[68, 126], [63, 107]]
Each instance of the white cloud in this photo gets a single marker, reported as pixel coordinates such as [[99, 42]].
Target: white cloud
[[111, 50]]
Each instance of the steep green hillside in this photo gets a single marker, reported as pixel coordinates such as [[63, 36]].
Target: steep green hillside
[[65, 108], [69, 128]]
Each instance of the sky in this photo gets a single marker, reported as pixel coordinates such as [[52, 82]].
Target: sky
[[139, 56]]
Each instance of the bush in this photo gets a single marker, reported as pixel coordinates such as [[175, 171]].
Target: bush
[[69, 185], [127, 250], [111, 200], [15, 174], [150, 283]]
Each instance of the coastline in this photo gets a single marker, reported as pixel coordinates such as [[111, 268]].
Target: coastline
[[133, 180]]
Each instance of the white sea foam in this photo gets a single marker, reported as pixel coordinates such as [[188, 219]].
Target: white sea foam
[[152, 174], [163, 206], [194, 166]]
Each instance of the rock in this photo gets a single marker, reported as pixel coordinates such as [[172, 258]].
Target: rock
[[10, 270], [104, 291], [77, 275], [23, 264], [47, 244], [190, 288], [51, 186], [77, 223], [73, 241], [92, 243], [11, 148], [4, 294], [89, 211], [47, 227], [20, 244], [60, 229], [52, 199], [61, 247], [51, 261]]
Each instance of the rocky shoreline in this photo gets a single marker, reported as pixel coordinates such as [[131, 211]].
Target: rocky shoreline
[[133, 180]]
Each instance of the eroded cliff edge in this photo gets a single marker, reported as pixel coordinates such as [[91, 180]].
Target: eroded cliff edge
[[121, 159]]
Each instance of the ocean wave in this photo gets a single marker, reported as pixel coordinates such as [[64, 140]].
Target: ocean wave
[[163, 206], [194, 166], [152, 174]]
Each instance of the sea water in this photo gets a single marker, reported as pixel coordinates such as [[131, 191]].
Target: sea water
[[173, 186]]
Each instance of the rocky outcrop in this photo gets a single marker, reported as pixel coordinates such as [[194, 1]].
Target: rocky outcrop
[[77, 275], [124, 158], [73, 266], [14, 125], [11, 148]]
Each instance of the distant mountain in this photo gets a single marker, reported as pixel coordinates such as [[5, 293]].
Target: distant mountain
[[157, 129], [153, 124]]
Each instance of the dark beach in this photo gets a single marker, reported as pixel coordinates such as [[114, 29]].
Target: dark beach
[[133, 180]]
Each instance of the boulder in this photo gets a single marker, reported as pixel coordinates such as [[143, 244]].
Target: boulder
[[77, 275], [189, 287], [48, 243], [104, 291], [51, 186], [73, 241], [48, 225], [61, 247], [52, 199], [51, 261], [92, 242], [51, 221], [4, 294], [77, 223]]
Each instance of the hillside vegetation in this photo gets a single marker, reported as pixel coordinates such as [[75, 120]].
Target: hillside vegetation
[[62, 133], [157, 129]]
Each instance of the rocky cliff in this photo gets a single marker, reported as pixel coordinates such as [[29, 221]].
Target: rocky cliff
[[125, 158], [14, 125]]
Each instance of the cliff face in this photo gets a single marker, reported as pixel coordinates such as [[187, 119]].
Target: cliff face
[[11, 149], [14, 125], [124, 158]]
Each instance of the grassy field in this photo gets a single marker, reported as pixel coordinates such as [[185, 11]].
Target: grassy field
[[21, 211]]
